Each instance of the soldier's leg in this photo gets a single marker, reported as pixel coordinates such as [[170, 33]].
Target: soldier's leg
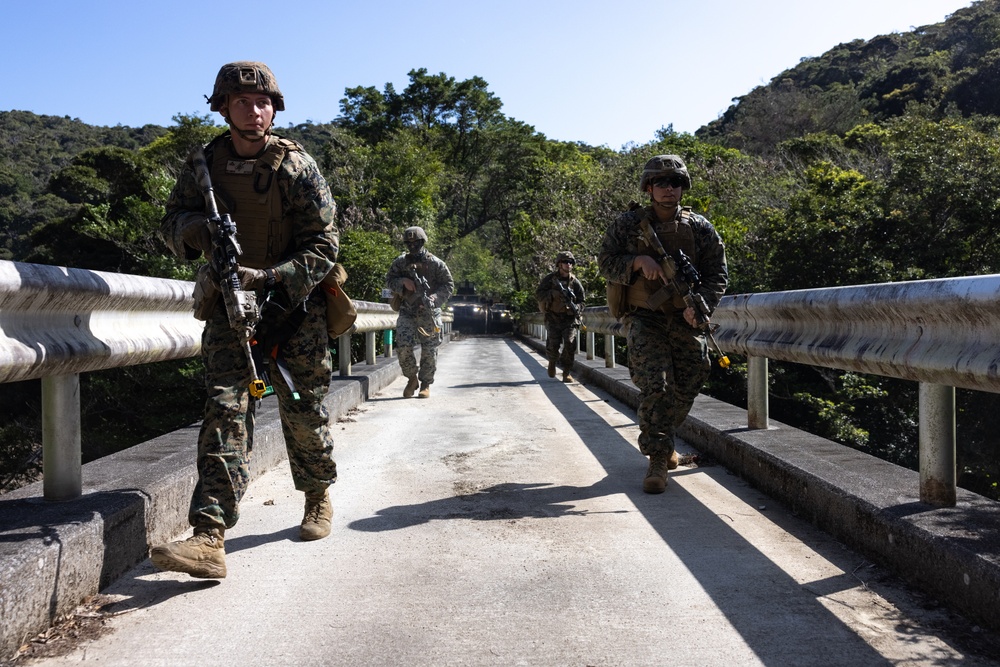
[[692, 367], [406, 338], [651, 369], [568, 355], [305, 422], [553, 339], [428, 358], [224, 439]]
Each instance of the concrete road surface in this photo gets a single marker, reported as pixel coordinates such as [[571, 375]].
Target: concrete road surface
[[502, 522]]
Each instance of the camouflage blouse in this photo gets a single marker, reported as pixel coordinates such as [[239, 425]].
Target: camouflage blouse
[[623, 238], [307, 206]]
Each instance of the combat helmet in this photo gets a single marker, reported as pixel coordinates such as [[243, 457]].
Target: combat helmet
[[414, 238], [245, 76], [664, 165], [565, 256]]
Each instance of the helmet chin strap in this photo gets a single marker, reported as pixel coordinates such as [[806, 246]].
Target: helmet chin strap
[[251, 136], [665, 208]]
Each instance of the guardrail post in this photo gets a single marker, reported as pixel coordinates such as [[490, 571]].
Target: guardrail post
[[590, 346], [938, 476], [609, 351], [62, 457], [757, 399], [370, 348], [344, 353], [387, 336]]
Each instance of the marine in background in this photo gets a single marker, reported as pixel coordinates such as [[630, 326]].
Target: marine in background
[[421, 284], [561, 297], [667, 354]]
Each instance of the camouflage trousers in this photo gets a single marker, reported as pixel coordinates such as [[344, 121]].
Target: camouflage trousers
[[561, 332], [668, 361], [419, 329], [226, 436]]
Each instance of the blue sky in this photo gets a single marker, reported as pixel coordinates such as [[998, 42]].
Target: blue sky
[[607, 72]]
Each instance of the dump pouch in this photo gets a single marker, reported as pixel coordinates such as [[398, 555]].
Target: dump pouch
[[340, 310]]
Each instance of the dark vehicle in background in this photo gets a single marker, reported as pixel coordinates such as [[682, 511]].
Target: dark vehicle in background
[[470, 312], [501, 320], [475, 314]]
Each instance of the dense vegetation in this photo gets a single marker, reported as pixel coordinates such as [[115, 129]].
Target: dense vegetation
[[877, 161]]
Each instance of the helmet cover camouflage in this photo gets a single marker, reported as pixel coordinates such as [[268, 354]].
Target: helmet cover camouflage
[[664, 165], [411, 234], [245, 76], [565, 256]]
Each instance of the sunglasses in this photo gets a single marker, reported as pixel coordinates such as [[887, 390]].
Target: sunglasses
[[670, 182], [567, 261]]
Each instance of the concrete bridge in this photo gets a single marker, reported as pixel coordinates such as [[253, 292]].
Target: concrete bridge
[[502, 522]]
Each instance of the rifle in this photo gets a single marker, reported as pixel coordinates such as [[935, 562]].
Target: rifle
[[685, 284], [568, 297], [241, 305], [424, 289]]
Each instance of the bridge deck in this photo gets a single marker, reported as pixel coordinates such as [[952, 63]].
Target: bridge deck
[[502, 522]]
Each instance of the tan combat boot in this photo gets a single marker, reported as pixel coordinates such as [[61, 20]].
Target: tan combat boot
[[425, 390], [656, 476], [567, 376], [316, 522], [673, 461], [411, 386], [203, 555], [552, 369]]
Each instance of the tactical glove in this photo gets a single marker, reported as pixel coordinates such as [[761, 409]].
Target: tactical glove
[[251, 279], [197, 236]]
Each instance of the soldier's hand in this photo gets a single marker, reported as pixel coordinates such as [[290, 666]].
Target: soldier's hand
[[251, 279], [649, 267], [409, 285], [432, 300], [690, 318], [197, 236]]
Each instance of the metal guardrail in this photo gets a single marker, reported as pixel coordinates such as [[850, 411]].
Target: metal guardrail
[[941, 333], [58, 322]]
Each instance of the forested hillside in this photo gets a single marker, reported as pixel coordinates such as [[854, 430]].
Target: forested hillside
[[878, 161], [946, 68]]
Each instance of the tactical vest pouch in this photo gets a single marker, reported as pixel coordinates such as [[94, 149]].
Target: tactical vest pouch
[[617, 302], [206, 294], [341, 312]]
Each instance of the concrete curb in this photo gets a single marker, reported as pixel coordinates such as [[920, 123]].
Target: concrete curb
[[55, 555], [868, 504]]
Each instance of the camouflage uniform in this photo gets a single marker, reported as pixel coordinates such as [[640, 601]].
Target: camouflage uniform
[[226, 436], [667, 358], [561, 323], [416, 324]]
